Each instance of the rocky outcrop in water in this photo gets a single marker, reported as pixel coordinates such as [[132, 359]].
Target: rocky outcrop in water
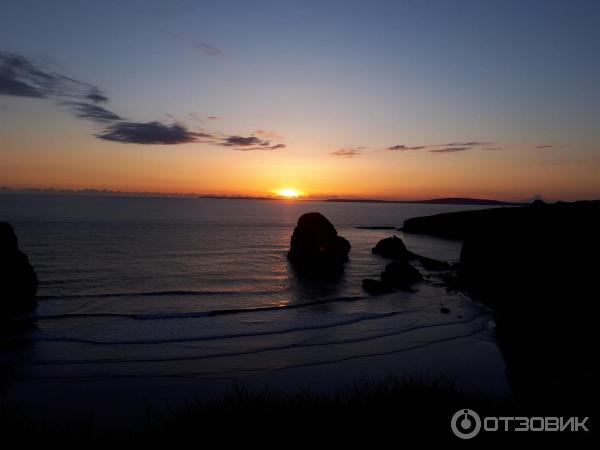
[[394, 248], [376, 287], [396, 275], [18, 281], [391, 248], [430, 263], [400, 274], [316, 245]]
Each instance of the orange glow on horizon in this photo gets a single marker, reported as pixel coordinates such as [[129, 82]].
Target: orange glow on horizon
[[35, 161], [289, 193]]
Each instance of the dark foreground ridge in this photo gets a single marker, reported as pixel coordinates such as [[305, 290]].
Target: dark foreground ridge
[[537, 267], [415, 412], [18, 281]]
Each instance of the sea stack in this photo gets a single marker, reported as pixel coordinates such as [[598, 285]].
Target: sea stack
[[316, 246], [391, 248], [18, 281]]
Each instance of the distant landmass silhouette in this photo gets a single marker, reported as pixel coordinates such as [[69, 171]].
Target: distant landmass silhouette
[[112, 193], [434, 201]]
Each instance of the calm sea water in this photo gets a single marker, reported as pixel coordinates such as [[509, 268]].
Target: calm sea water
[[168, 298]]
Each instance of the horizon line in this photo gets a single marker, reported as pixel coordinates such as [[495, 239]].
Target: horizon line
[[328, 198]]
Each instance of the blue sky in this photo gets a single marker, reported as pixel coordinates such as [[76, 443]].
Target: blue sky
[[359, 76]]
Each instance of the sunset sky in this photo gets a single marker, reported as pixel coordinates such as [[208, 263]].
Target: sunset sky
[[377, 99]]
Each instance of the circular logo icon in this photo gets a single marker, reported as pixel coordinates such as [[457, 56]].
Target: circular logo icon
[[465, 423]]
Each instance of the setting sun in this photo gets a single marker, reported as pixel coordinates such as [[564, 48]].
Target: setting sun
[[289, 193]]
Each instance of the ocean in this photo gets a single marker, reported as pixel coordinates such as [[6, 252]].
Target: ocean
[[157, 301]]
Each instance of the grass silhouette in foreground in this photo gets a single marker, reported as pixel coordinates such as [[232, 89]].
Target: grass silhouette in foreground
[[407, 411]]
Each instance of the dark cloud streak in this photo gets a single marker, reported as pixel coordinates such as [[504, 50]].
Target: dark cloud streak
[[200, 46], [450, 149], [232, 141], [207, 49], [149, 133], [267, 147], [346, 152], [403, 148], [248, 143], [96, 96], [92, 112], [19, 77], [466, 144]]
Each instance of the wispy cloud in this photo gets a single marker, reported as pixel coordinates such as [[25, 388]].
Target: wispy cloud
[[200, 46], [268, 134], [403, 148], [347, 152], [249, 143], [19, 77], [207, 49], [265, 147], [149, 133], [96, 95], [92, 112], [544, 146], [456, 147], [232, 141], [450, 149], [22, 78], [466, 144]]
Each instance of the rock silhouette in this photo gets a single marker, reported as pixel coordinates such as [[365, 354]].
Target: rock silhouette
[[396, 275], [376, 287], [400, 274], [316, 246], [391, 248], [430, 263], [537, 267], [18, 281], [394, 248]]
